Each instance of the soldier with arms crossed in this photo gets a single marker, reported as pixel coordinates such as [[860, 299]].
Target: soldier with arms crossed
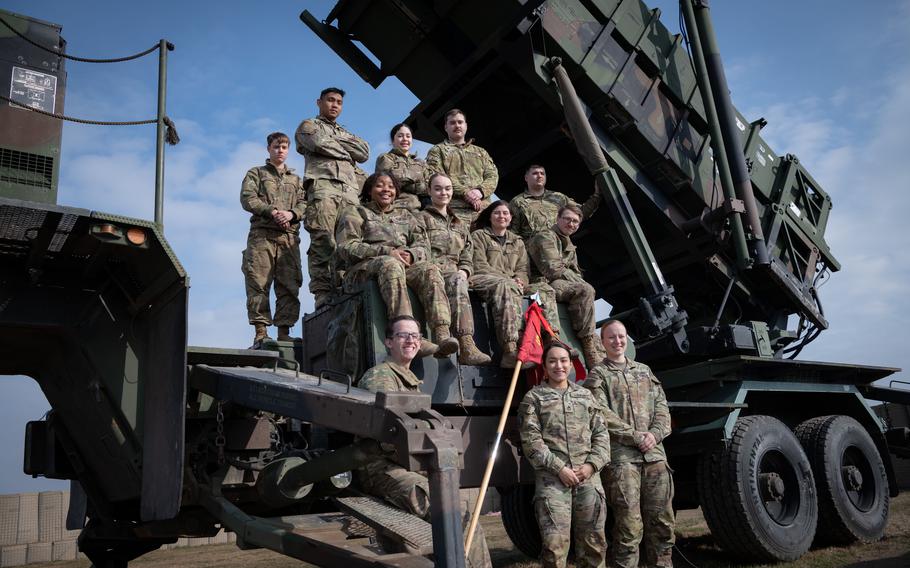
[[273, 194], [332, 180], [639, 482], [474, 175], [564, 437]]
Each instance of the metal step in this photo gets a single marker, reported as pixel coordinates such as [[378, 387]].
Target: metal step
[[412, 532]]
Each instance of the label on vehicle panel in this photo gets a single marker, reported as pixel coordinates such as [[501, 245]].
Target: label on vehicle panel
[[33, 89]]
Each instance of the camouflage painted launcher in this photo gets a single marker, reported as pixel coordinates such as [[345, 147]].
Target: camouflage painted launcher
[[636, 83]]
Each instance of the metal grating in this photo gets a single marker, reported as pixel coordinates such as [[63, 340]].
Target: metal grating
[[20, 224], [64, 228], [26, 169]]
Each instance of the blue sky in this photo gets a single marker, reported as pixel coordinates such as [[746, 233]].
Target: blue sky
[[831, 77]]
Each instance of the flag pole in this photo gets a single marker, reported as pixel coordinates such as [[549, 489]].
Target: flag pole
[[475, 516]]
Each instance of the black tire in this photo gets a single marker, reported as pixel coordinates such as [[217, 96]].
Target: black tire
[[519, 520], [850, 480], [757, 494]]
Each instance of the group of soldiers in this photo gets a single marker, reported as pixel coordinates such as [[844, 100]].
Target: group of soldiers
[[408, 225]]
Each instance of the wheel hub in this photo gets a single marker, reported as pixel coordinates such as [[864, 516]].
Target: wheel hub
[[772, 486], [853, 478]]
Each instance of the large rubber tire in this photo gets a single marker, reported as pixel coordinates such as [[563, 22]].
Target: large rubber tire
[[519, 520], [757, 494], [850, 480]]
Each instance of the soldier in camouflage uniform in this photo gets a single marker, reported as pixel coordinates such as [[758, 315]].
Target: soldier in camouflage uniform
[[408, 169], [639, 482], [535, 210], [377, 240], [332, 179], [450, 251], [564, 437], [383, 478], [474, 175], [500, 275], [274, 195], [556, 276]]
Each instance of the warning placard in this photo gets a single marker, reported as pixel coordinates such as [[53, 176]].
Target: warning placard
[[33, 89]]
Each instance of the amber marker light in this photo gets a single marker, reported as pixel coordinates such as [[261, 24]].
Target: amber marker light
[[107, 231], [136, 236]]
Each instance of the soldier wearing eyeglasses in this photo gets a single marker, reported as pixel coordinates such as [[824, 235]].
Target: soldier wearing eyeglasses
[[383, 478]]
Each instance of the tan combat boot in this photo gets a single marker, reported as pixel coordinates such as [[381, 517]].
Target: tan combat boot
[[447, 343], [427, 348], [284, 333], [509, 355], [591, 348], [261, 334], [469, 354]]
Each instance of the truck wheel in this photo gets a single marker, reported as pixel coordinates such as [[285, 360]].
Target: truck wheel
[[850, 479], [757, 494], [519, 520]]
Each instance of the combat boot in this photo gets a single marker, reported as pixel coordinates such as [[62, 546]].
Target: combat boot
[[510, 357], [427, 348], [591, 348], [284, 333], [447, 343], [469, 354], [261, 335]]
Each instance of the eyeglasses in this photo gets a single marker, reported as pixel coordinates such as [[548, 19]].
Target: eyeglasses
[[407, 336], [570, 220]]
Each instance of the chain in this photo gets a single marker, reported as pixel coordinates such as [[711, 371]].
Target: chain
[[219, 436]]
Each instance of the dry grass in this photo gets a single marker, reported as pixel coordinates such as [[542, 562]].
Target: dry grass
[[695, 548]]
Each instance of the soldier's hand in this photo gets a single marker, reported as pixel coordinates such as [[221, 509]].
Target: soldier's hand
[[583, 471], [282, 218], [403, 256], [520, 283], [462, 275], [648, 441], [568, 477], [474, 199]]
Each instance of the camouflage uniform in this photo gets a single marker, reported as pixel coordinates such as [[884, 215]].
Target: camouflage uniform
[[497, 262], [333, 181], [640, 486], [407, 490], [532, 214], [366, 237], [272, 253], [451, 251], [469, 167], [555, 274], [563, 428], [410, 171]]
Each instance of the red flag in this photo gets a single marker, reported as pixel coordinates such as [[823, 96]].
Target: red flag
[[532, 342]]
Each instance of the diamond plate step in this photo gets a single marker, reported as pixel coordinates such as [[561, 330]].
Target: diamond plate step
[[414, 533]]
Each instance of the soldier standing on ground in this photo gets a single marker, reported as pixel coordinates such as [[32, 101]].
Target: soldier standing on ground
[[377, 240], [500, 275], [332, 180], [639, 482], [564, 437], [408, 169], [451, 252], [536, 208], [274, 195], [474, 175], [383, 478], [556, 276]]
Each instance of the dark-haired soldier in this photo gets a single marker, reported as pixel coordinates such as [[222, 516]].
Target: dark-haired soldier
[[332, 180], [274, 195], [408, 169], [472, 171], [383, 478], [535, 209]]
